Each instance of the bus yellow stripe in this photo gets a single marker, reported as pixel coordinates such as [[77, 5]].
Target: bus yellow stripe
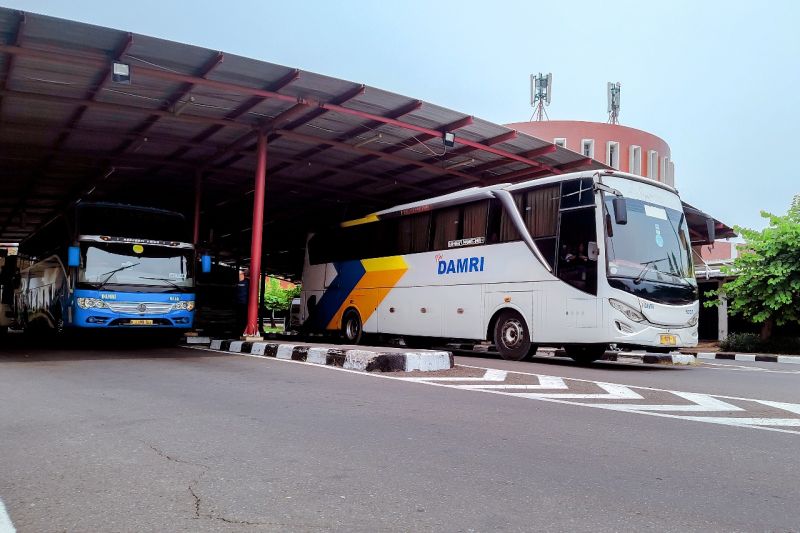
[[381, 275]]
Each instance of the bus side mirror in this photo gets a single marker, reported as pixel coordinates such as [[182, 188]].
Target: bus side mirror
[[205, 264], [620, 210], [74, 256], [712, 230]]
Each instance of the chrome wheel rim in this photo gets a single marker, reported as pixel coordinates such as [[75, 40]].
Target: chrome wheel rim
[[512, 333], [351, 329]]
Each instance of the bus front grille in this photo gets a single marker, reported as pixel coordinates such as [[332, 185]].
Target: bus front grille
[[140, 308]]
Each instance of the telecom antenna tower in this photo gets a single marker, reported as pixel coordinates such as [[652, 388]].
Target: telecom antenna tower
[[541, 90], [613, 102]]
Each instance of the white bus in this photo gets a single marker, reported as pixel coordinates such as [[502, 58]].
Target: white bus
[[578, 261]]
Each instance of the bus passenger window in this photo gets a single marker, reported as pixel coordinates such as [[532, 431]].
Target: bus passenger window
[[576, 265], [445, 227], [412, 234]]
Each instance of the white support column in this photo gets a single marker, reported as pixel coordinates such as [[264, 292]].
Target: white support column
[[722, 314]]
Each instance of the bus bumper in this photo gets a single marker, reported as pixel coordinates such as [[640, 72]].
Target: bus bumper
[[653, 335], [105, 318]]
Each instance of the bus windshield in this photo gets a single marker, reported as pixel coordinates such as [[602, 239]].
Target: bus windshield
[[652, 247], [114, 264]]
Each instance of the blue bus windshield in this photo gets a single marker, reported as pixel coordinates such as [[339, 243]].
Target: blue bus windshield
[[113, 264]]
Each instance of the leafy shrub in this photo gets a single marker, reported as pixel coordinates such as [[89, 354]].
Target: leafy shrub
[[752, 343]]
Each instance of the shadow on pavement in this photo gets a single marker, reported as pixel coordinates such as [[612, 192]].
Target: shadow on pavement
[[17, 347]]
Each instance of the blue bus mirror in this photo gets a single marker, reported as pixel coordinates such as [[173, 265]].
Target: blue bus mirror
[[74, 256], [205, 264]]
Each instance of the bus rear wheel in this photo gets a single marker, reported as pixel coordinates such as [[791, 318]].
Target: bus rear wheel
[[585, 353], [352, 330], [511, 336]]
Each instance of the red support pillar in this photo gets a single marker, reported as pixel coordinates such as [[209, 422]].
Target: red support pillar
[[257, 233], [198, 198]]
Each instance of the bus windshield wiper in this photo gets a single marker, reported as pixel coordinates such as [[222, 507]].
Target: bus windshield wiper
[[180, 288], [111, 274], [646, 268]]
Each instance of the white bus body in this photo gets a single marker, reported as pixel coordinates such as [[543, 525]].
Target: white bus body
[[543, 262]]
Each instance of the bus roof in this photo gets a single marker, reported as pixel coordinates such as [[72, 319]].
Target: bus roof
[[478, 193]]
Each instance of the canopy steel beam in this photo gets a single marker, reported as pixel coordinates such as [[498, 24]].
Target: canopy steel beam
[[147, 72], [123, 108], [315, 113], [364, 151], [173, 99]]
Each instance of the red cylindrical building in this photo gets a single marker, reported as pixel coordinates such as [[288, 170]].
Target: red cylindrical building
[[626, 149]]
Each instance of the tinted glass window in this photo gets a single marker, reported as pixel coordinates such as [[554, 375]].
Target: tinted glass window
[[576, 193]]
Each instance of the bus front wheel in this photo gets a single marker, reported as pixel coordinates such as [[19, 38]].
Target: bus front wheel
[[585, 353], [352, 330], [511, 336]]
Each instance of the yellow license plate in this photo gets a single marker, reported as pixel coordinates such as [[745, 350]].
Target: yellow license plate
[[136, 322], [669, 340]]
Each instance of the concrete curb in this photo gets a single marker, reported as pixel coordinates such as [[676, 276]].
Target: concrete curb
[[763, 358], [364, 360]]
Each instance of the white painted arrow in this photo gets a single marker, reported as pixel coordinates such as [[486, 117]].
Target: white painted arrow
[[702, 402], [613, 392]]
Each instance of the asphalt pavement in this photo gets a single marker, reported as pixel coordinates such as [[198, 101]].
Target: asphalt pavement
[[148, 438]]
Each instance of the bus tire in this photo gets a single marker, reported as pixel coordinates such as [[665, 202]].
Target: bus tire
[[511, 336], [585, 353], [352, 329]]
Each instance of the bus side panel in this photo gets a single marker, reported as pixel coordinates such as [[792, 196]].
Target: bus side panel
[[462, 311], [412, 311]]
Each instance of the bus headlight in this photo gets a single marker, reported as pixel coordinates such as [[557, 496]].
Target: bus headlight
[[627, 310], [184, 305], [90, 303], [693, 321]]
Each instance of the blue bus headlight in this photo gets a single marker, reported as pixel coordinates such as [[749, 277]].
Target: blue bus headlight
[[90, 303], [627, 310]]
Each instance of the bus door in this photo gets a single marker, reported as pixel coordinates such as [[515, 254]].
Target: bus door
[[578, 253]]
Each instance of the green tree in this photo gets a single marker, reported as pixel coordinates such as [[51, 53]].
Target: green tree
[[277, 298], [766, 289]]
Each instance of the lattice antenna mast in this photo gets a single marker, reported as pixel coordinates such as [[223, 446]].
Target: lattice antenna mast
[[541, 90], [613, 102]]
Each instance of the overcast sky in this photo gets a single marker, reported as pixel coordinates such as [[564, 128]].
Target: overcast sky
[[718, 80]]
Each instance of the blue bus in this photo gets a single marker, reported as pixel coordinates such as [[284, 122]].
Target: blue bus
[[104, 265]]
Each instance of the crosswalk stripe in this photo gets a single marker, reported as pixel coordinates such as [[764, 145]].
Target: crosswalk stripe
[[545, 383], [613, 392], [790, 422], [491, 374], [791, 407], [702, 402]]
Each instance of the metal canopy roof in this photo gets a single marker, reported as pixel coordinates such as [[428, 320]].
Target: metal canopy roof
[[337, 149]]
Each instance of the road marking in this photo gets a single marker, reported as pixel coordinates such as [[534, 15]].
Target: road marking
[[491, 374], [613, 392], [6, 525], [700, 402], [743, 368], [545, 382], [793, 422]]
